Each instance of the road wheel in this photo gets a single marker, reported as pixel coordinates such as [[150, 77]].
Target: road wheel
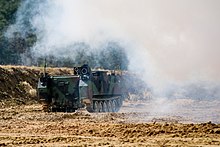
[[118, 104], [100, 106], [109, 104], [96, 106], [114, 105], [105, 106], [119, 101]]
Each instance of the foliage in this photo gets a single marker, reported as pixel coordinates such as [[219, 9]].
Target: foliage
[[8, 9], [16, 49], [8, 48]]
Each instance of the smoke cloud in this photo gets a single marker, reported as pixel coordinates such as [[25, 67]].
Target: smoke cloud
[[172, 44]]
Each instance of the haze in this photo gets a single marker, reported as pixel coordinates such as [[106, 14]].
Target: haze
[[169, 41]]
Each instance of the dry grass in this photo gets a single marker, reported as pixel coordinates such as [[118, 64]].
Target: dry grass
[[51, 70]]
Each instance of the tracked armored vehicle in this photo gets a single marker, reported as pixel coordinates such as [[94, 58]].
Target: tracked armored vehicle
[[97, 91]]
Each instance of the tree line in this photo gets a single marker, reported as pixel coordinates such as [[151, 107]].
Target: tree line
[[14, 49]]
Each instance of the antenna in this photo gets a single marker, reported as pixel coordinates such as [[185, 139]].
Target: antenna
[[45, 66]]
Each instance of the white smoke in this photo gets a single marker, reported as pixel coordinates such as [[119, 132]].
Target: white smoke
[[172, 43]]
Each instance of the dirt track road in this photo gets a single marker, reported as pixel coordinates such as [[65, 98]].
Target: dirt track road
[[29, 126]]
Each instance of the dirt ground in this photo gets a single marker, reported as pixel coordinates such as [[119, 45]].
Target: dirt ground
[[28, 125], [149, 122]]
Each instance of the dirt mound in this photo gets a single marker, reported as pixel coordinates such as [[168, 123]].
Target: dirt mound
[[18, 83]]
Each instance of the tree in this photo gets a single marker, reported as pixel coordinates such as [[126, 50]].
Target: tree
[[8, 10]]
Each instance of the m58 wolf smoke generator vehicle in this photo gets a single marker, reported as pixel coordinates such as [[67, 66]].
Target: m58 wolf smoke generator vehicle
[[98, 91]]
